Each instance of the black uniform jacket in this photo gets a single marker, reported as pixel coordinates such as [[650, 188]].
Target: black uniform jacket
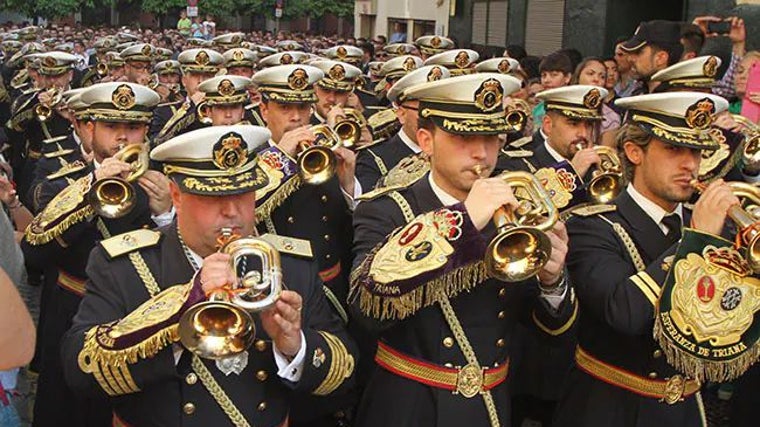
[[166, 387], [617, 319], [376, 160], [486, 308]]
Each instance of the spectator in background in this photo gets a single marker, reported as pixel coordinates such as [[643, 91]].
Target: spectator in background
[[692, 40], [556, 70], [81, 53], [209, 27], [592, 71], [515, 51], [574, 55], [742, 74], [398, 36], [738, 35], [626, 83], [530, 65], [196, 29], [184, 23], [10, 203]]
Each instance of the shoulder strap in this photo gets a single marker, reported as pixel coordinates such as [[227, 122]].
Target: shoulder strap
[[406, 210]]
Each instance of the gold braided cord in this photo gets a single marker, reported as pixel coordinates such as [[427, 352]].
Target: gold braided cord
[[406, 210], [468, 351], [638, 263], [216, 391], [144, 272], [341, 365], [380, 163]]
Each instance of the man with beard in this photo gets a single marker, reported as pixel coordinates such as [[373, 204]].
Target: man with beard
[[618, 261], [67, 228], [654, 46]]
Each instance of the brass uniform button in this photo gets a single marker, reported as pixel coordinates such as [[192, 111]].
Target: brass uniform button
[[188, 408], [653, 375], [448, 365], [501, 342], [324, 199], [502, 315], [328, 256], [657, 354], [261, 375], [448, 342], [262, 406], [191, 379], [324, 218], [327, 237], [502, 292], [260, 345], [291, 220]]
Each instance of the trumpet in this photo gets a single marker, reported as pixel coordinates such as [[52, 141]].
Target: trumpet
[[521, 247], [317, 161], [746, 221], [44, 110], [102, 69], [607, 179], [204, 113], [114, 197], [223, 326], [349, 128]]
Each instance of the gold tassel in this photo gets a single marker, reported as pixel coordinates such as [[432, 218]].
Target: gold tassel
[[398, 308], [702, 369], [277, 197], [36, 239], [93, 353]]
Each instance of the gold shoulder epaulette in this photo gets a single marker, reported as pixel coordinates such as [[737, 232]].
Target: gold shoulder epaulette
[[166, 104], [129, 242], [381, 117], [521, 142], [593, 210], [54, 139], [289, 245], [58, 153], [517, 154], [67, 169], [377, 192]]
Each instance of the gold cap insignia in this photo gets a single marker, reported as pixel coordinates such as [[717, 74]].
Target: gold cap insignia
[[123, 97], [435, 42], [593, 99], [226, 88], [291, 46], [298, 79], [146, 50], [286, 59], [341, 52], [409, 64], [238, 55], [489, 95], [699, 114], [49, 62], [201, 58], [229, 152], [710, 67], [503, 66], [337, 72], [435, 74], [235, 39], [462, 59]]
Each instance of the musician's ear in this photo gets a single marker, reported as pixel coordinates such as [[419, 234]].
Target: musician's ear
[[633, 152]]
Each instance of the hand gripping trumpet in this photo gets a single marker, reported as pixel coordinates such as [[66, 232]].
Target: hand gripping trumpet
[[748, 225], [114, 197], [521, 247], [223, 326], [317, 161]]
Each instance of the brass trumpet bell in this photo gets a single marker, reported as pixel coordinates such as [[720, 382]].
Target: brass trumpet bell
[[224, 326], [317, 162], [101, 69], [44, 110], [115, 197], [746, 220], [521, 247], [607, 180]]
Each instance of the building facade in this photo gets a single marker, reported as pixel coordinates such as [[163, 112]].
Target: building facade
[[413, 18]]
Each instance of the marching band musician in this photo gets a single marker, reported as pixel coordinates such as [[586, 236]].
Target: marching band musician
[[124, 341], [67, 228], [419, 279], [224, 97], [618, 259]]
